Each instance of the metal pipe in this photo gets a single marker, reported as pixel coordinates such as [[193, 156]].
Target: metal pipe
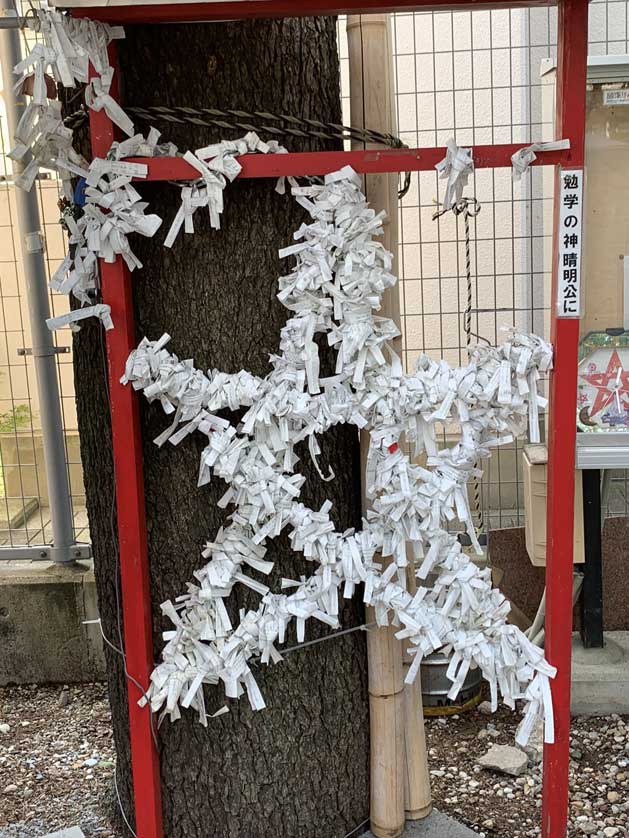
[[592, 596], [43, 350]]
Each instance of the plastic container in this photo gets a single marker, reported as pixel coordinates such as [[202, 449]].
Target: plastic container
[[535, 459]]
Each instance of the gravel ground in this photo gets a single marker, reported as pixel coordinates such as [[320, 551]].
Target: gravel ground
[[500, 806], [56, 761], [56, 766]]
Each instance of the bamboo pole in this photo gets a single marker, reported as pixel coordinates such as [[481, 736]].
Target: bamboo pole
[[399, 771], [418, 800]]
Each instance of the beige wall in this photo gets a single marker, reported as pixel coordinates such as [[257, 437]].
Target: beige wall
[[606, 218]]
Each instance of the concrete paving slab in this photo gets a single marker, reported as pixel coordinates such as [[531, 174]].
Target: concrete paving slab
[[436, 825], [600, 677], [71, 832]]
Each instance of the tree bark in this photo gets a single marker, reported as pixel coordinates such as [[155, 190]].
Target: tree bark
[[300, 767]]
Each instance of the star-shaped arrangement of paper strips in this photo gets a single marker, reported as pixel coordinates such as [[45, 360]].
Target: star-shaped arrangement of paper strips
[[335, 289]]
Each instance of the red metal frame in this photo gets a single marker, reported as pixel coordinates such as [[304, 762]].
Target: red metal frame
[[569, 122], [126, 439], [247, 9], [373, 161], [135, 583]]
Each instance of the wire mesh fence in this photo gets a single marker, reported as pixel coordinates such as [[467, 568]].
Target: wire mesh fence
[[474, 75], [24, 504], [470, 76]]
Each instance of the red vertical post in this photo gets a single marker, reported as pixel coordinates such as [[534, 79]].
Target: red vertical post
[[570, 123], [129, 480]]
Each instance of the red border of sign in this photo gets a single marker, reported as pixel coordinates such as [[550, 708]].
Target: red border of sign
[[126, 438]]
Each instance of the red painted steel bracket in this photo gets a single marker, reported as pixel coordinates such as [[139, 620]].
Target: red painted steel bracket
[[126, 438], [135, 584], [372, 161], [569, 122], [258, 9]]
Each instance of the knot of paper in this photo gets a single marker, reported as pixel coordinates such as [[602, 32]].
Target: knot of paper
[[217, 165], [140, 146], [522, 159], [456, 167], [335, 289], [98, 98], [69, 46], [113, 209]]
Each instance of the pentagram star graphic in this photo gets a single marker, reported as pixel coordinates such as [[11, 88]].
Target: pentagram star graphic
[[614, 379]]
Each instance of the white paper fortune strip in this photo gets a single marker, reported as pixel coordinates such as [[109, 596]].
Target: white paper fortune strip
[[69, 46], [456, 167], [336, 286], [522, 159], [217, 165], [72, 318]]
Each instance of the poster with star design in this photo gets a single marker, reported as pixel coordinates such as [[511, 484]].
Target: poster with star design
[[603, 389]]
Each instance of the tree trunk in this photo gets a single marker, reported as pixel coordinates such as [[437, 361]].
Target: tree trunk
[[300, 767]]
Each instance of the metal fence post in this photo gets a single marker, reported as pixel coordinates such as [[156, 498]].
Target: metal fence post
[[32, 240]]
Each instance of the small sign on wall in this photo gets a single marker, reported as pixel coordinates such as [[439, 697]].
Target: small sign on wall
[[616, 97], [569, 249]]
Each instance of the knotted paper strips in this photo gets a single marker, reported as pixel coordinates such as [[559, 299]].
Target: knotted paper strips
[[335, 288]]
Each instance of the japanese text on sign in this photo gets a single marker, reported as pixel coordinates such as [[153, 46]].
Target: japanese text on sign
[[616, 97], [569, 249]]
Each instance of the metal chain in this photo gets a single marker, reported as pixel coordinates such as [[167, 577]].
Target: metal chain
[[468, 208], [278, 125]]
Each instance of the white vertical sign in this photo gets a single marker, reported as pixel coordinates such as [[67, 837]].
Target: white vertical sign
[[569, 245]]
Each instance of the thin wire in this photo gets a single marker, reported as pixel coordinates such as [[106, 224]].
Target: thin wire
[[122, 655], [120, 650], [332, 636], [364, 626], [356, 828], [121, 807], [468, 208]]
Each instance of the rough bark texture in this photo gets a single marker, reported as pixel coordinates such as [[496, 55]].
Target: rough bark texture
[[300, 767]]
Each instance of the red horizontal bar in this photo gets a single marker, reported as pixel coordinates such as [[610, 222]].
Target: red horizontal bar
[[240, 9], [374, 161]]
